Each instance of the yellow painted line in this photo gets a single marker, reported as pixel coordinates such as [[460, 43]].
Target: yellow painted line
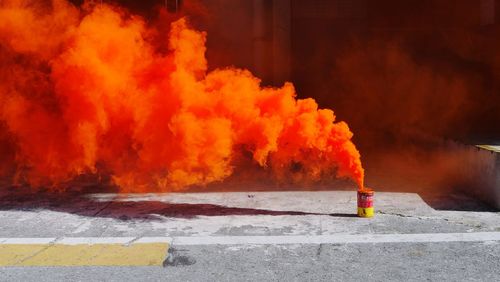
[[10, 254], [136, 254]]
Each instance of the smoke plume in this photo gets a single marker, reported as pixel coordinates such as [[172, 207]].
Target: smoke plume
[[88, 90]]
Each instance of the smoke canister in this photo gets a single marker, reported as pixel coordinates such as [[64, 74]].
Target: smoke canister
[[365, 203]]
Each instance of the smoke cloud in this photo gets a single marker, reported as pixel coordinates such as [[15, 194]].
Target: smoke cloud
[[90, 90]]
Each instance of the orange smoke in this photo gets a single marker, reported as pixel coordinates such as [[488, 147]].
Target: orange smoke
[[85, 90]]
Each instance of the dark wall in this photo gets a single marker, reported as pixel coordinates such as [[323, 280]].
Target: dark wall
[[399, 71]]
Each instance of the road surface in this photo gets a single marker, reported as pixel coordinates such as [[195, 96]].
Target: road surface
[[246, 236]]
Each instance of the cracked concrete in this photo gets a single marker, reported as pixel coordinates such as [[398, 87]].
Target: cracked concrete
[[263, 214], [268, 213]]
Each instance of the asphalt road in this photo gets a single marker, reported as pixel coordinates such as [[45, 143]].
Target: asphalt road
[[340, 262]]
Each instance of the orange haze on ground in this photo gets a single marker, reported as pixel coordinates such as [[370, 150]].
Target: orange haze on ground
[[84, 90]]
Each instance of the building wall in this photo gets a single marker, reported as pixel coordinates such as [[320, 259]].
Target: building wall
[[401, 70]]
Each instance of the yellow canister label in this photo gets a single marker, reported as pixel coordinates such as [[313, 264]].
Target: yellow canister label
[[365, 212]]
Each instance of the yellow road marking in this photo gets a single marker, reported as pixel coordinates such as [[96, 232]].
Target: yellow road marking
[[137, 254]]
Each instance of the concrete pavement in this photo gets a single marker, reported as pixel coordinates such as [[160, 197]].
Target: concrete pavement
[[268, 236]]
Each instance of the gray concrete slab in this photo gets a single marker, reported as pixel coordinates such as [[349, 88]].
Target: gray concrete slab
[[306, 214], [237, 213]]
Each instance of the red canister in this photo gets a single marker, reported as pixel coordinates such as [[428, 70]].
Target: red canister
[[365, 203]]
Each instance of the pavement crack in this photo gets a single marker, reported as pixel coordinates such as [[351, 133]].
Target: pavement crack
[[80, 225], [100, 210], [320, 249], [448, 220], [133, 240], [405, 216], [50, 244], [103, 208], [397, 214]]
